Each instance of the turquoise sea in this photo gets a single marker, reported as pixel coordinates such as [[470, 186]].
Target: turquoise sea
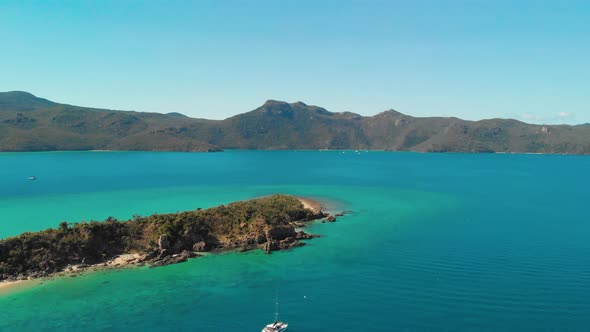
[[434, 242]]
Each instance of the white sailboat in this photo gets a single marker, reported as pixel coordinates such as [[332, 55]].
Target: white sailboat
[[277, 326]]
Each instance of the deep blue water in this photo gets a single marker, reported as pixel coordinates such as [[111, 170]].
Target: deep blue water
[[435, 242]]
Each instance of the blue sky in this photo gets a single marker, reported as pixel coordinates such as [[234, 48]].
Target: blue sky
[[528, 60]]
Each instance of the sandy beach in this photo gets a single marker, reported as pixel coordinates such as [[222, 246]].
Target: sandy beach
[[310, 204], [124, 260], [7, 287], [7, 284]]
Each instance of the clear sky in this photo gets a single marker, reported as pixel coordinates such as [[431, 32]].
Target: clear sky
[[528, 60]]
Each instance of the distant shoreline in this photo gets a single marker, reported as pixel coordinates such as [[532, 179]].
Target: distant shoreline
[[360, 151], [30, 123]]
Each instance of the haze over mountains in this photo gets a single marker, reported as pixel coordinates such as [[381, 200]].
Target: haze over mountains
[[29, 123]]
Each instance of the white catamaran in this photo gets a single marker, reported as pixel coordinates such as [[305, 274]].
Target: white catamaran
[[277, 326]]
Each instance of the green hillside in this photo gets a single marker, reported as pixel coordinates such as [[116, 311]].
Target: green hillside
[[28, 123], [22, 102]]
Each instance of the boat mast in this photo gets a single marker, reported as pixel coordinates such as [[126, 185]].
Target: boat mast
[[277, 307]]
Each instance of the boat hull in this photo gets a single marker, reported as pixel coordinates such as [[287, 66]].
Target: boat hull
[[276, 327]]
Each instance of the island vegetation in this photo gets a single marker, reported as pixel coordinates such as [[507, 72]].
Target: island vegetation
[[268, 223], [29, 123]]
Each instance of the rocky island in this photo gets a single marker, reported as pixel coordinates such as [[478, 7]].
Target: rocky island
[[268, 223]]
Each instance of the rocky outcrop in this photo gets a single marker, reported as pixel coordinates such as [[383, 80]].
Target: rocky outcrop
[[280, 232], [284, 237], [173, 259], [305, 236], [200, 246], [329, 218], [163, 243]]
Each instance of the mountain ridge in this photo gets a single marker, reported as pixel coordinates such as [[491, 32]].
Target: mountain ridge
[[30, 123]]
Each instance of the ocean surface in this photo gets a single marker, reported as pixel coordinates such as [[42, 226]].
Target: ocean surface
[[434, 242]]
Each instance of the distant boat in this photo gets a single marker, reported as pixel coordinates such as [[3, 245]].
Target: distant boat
[[277, 326], [32, 178]]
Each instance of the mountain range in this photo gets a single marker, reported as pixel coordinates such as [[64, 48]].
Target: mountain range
[[30, 123]]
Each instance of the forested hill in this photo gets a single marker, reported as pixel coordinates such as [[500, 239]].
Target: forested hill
[[29, 123]]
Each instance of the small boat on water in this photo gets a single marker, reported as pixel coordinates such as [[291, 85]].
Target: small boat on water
[[32, 178], [277, 326]]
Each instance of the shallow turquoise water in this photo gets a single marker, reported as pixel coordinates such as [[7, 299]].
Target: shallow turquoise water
[[435, 242]]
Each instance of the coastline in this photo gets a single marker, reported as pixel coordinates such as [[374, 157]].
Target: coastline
[[11, 286], [311, 204], [119, 262], [129, 260], [7, 284], [523, 153]]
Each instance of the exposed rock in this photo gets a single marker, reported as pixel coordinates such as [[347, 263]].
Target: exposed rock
[[150, 255], [260, 239], [275, 237], [271, 246], [290, 239], [280, 232], [305, 236], [283, 245], [173, 259], [163, 253], [188, 254], [163, 242], [200, 246], [330, 218]]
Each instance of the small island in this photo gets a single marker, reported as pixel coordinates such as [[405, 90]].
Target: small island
[[269, 223]]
